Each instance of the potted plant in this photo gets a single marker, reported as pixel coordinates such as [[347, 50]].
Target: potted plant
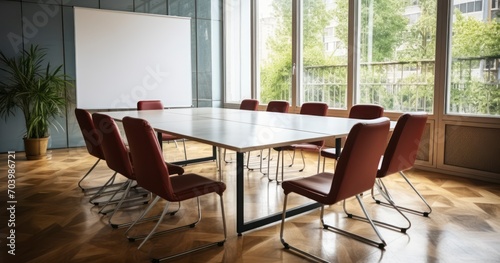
[[38, 91]]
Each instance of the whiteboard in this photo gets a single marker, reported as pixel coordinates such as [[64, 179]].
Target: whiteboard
[[124, 57]]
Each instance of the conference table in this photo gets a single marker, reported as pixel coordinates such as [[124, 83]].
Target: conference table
[[243, 131]]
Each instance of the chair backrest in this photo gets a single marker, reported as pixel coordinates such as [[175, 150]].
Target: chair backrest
[[249, 104], [357, 166], [89, 132], [317, 109], [149, 165], [149, 105], [278, 106], [114, 149], [366, 111], [314, 108], [402, 149]]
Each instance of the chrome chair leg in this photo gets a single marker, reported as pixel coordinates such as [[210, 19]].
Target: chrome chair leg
[[378, 244], [260, 156], [89, 171], [218, 243], [269, 163], [165, 209], [268, 157], [141, 218], [103, 188], [225, 157], [402, 229], [293, 159], [319, 161], [127, 188], [287, 245], [248, 161], [184, 144], [152, 233], [303, 161], [282, 153], [406, 209], [120, 203], [120, 187], [219, 162]]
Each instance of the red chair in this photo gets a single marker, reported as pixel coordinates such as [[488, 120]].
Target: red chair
[[308, 108], [249, 104], [118, 159], [152, 174], [246, 104], [280, 106], [165, 137], [358, 111], [91, 139], [94, 148], [400, 156], [355, 173]]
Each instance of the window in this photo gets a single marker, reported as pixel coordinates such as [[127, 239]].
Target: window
[[238, 59], [471, 7], [396, 65], [473, 84], [321, 64], [478, 6], [397, 72], [274, 50], [323, 72]]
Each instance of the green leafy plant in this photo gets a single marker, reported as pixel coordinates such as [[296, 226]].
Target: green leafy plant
[[34, 88]]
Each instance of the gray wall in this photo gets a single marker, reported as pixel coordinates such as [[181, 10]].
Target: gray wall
[[49, 23]]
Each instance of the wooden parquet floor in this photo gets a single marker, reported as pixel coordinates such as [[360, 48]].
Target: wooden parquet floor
[[54, 222]]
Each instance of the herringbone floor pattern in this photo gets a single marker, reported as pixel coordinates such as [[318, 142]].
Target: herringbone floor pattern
[[54, 222]]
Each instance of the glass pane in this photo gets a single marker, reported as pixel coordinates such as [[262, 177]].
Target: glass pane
[[121, 5], [324, 52], [463, 8], [397, 49], [209, 9], [208, 60], [478, 6], [151, 6], [274, 50], [182, 8], [474, 86], [237, 50]]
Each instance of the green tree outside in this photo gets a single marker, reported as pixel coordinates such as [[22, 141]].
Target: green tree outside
[[393, 39]]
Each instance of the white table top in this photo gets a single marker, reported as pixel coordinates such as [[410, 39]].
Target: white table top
[[242, 130]]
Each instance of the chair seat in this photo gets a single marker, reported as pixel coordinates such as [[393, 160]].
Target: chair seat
[[329, 153], [306, 147], [284, 148], [189, 186], [300, 146], [169, 137], [315, 187]]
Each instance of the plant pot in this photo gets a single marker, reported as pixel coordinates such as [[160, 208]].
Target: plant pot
[[36, 148]]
